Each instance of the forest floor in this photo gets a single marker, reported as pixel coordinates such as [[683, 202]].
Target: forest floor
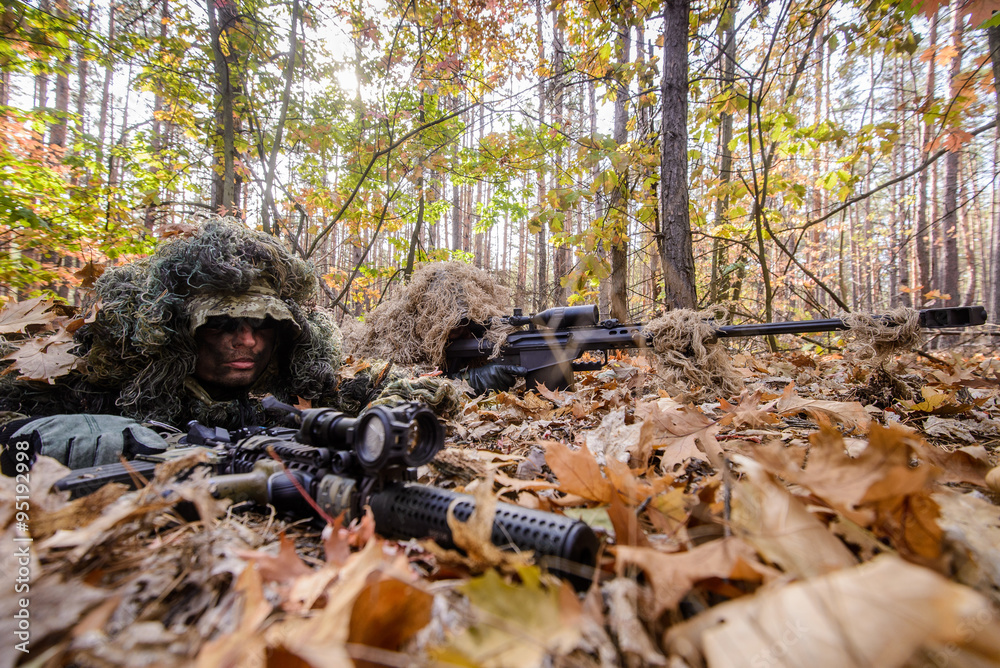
[[834, 513]]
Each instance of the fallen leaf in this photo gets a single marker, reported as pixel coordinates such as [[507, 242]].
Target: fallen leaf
[[681, 435], [626, 524], [283, 567], [971, 528], [633, 639], [321, 639], [876, 614], [613, 439], [89, 273], [46, 358], [937, 403], [387, 613], [474, 536], [850, 414], [514, 625], [17, 316], [748, 412], [778, 525], [54, 606], [237, 648], [672, 576], [578, 472]]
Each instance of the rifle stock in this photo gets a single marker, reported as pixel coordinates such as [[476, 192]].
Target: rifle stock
[[551, 347]]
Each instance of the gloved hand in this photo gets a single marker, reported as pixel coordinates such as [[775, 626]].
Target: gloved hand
[[493, 376], [79, 441]]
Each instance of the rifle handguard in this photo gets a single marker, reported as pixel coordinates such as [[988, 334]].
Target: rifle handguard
[[418, 511]]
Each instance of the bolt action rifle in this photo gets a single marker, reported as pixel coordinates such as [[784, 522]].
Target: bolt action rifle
[[551, 346], [344, 464]]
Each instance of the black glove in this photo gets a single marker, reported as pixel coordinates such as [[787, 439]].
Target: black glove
[[493, 376]]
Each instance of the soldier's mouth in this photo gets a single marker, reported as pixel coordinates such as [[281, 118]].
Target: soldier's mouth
[[242, 364]]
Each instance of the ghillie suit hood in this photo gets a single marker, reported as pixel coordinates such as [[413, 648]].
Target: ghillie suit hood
[[142, 347], [414, 325]]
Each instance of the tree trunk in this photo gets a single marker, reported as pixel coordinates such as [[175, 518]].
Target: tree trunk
[[994, 288], [224, 179], [541, 255], [617, 215], [949, 222], [561, 253], [727, 51], [678, 258], [922, 232]]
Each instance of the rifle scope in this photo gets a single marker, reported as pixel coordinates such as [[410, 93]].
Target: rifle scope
[[560, 317], [408, 434]]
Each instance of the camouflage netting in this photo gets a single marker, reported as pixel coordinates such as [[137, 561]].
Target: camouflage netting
[[877, 337], [386, 383], [140, 352], [413, 326], [688, 359]]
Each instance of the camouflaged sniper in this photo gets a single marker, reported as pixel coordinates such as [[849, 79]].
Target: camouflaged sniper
[[141, 352]]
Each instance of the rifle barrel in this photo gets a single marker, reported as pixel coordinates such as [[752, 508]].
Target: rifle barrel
[[932, 318]]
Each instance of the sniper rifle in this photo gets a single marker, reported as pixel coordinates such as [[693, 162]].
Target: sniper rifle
[[338, 464], [554, 341]]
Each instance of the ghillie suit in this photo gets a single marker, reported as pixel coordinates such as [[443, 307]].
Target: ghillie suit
[[688, 358], [415, 324], [141, 352], [412, 328]]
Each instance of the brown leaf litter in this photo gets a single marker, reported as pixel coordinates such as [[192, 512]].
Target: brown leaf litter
[[785, 524]]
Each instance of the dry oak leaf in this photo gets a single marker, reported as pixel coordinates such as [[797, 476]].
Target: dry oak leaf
[[876, 614], [749, 412], [578, 472], [681, 434], [849, 414], [879, 489], [634, 641], [16, 316], [779, 526], [634, 489], [55, 606], [937, 402], [46, 357], [89, 273], [829, 472], [673, 575]]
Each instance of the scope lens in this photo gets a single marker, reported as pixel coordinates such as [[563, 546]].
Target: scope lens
[[371, 445], [421, 441]]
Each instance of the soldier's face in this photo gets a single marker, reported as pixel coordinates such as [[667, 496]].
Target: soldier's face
[[234, 352]]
